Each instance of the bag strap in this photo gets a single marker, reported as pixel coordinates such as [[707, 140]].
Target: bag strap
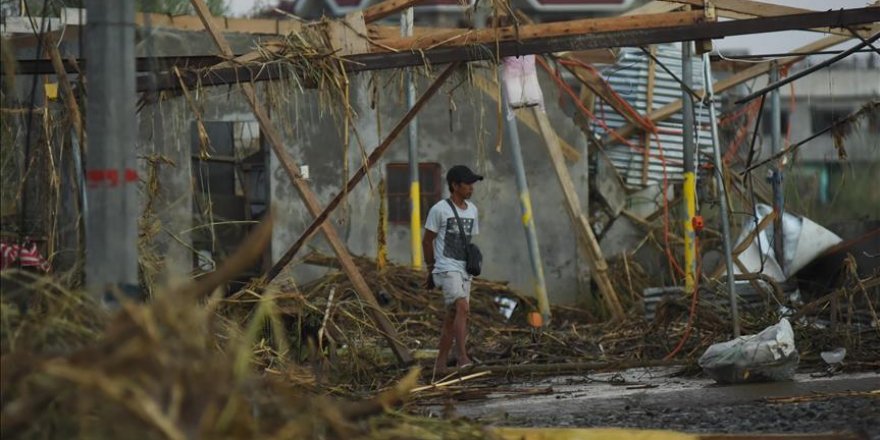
[[460, 224]]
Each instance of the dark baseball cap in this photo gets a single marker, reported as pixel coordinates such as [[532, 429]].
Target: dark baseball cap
[[462, 174]]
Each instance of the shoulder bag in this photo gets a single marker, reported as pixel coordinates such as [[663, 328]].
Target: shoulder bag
[[473, 255]]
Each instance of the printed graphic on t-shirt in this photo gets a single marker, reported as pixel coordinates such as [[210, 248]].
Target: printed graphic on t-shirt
[[454, 243]]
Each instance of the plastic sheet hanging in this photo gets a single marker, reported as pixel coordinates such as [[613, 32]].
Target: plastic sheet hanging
[[521, 83]]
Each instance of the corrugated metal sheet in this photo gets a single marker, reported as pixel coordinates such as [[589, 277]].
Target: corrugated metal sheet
[[629, 78]]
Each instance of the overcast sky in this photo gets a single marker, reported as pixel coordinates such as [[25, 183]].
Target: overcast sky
[[757, 43]]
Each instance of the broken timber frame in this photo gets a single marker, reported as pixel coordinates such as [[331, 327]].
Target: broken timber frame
[[309, 198], [320, 218], [467, 37], [752, 72], [585, 237], [592, 80], [639, 36]]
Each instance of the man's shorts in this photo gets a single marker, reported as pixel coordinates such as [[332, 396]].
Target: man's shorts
[[454, 285]]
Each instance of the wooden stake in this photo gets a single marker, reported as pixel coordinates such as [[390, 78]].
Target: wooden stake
[[585, 235], [309, 197]]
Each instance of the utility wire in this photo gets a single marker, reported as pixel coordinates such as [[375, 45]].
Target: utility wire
[[835, 124], [674, 76], [782, 54], [809, 70], [860, 37]]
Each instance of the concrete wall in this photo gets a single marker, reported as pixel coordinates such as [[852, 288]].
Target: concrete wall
[[314, 137]]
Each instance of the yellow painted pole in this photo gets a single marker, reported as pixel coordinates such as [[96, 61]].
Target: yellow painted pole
[[690, 205], [689, 190], [382, 229], [415, 195], [415, 224]]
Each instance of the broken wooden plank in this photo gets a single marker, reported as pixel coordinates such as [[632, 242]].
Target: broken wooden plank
[[637, 37], [321, 216], [591, 78], [309, 198], [544, 30], [584, 232], [348, 35], [602, 89]]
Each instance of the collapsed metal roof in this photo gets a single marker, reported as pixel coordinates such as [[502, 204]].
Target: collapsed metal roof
[[629, 78]]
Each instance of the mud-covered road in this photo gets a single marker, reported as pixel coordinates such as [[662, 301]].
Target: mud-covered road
[[652, 399]]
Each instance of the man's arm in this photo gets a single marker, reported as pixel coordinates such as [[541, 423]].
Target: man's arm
[[428, 248]]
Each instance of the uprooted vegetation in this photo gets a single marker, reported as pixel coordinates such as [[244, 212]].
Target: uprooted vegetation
[[296, 362]]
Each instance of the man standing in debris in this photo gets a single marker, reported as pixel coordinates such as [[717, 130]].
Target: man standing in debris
[[445, 251]]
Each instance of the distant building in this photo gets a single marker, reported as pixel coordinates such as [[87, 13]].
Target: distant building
[[828, 184]]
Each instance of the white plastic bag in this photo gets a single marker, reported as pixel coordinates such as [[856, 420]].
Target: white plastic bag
[[767, 356], [521, 82]]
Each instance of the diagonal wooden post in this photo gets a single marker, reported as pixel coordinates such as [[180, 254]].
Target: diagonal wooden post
[[585, 235], [309, 197], [320, 219]]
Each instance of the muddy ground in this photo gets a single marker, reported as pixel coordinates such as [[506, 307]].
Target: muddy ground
[[655, 399]]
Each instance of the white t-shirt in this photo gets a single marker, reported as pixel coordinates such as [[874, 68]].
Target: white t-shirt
[[449, 247]]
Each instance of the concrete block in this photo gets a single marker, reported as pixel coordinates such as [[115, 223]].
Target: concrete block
[[622, 236], [647, 201], [608, 185]]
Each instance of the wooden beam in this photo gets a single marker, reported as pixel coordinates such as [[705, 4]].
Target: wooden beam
[[602, 89], [311, 200], [542, 30], [591, 78], [585, 237], [490, 88], [321, 217], [730, 82], [635, 37], [739, 9]]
